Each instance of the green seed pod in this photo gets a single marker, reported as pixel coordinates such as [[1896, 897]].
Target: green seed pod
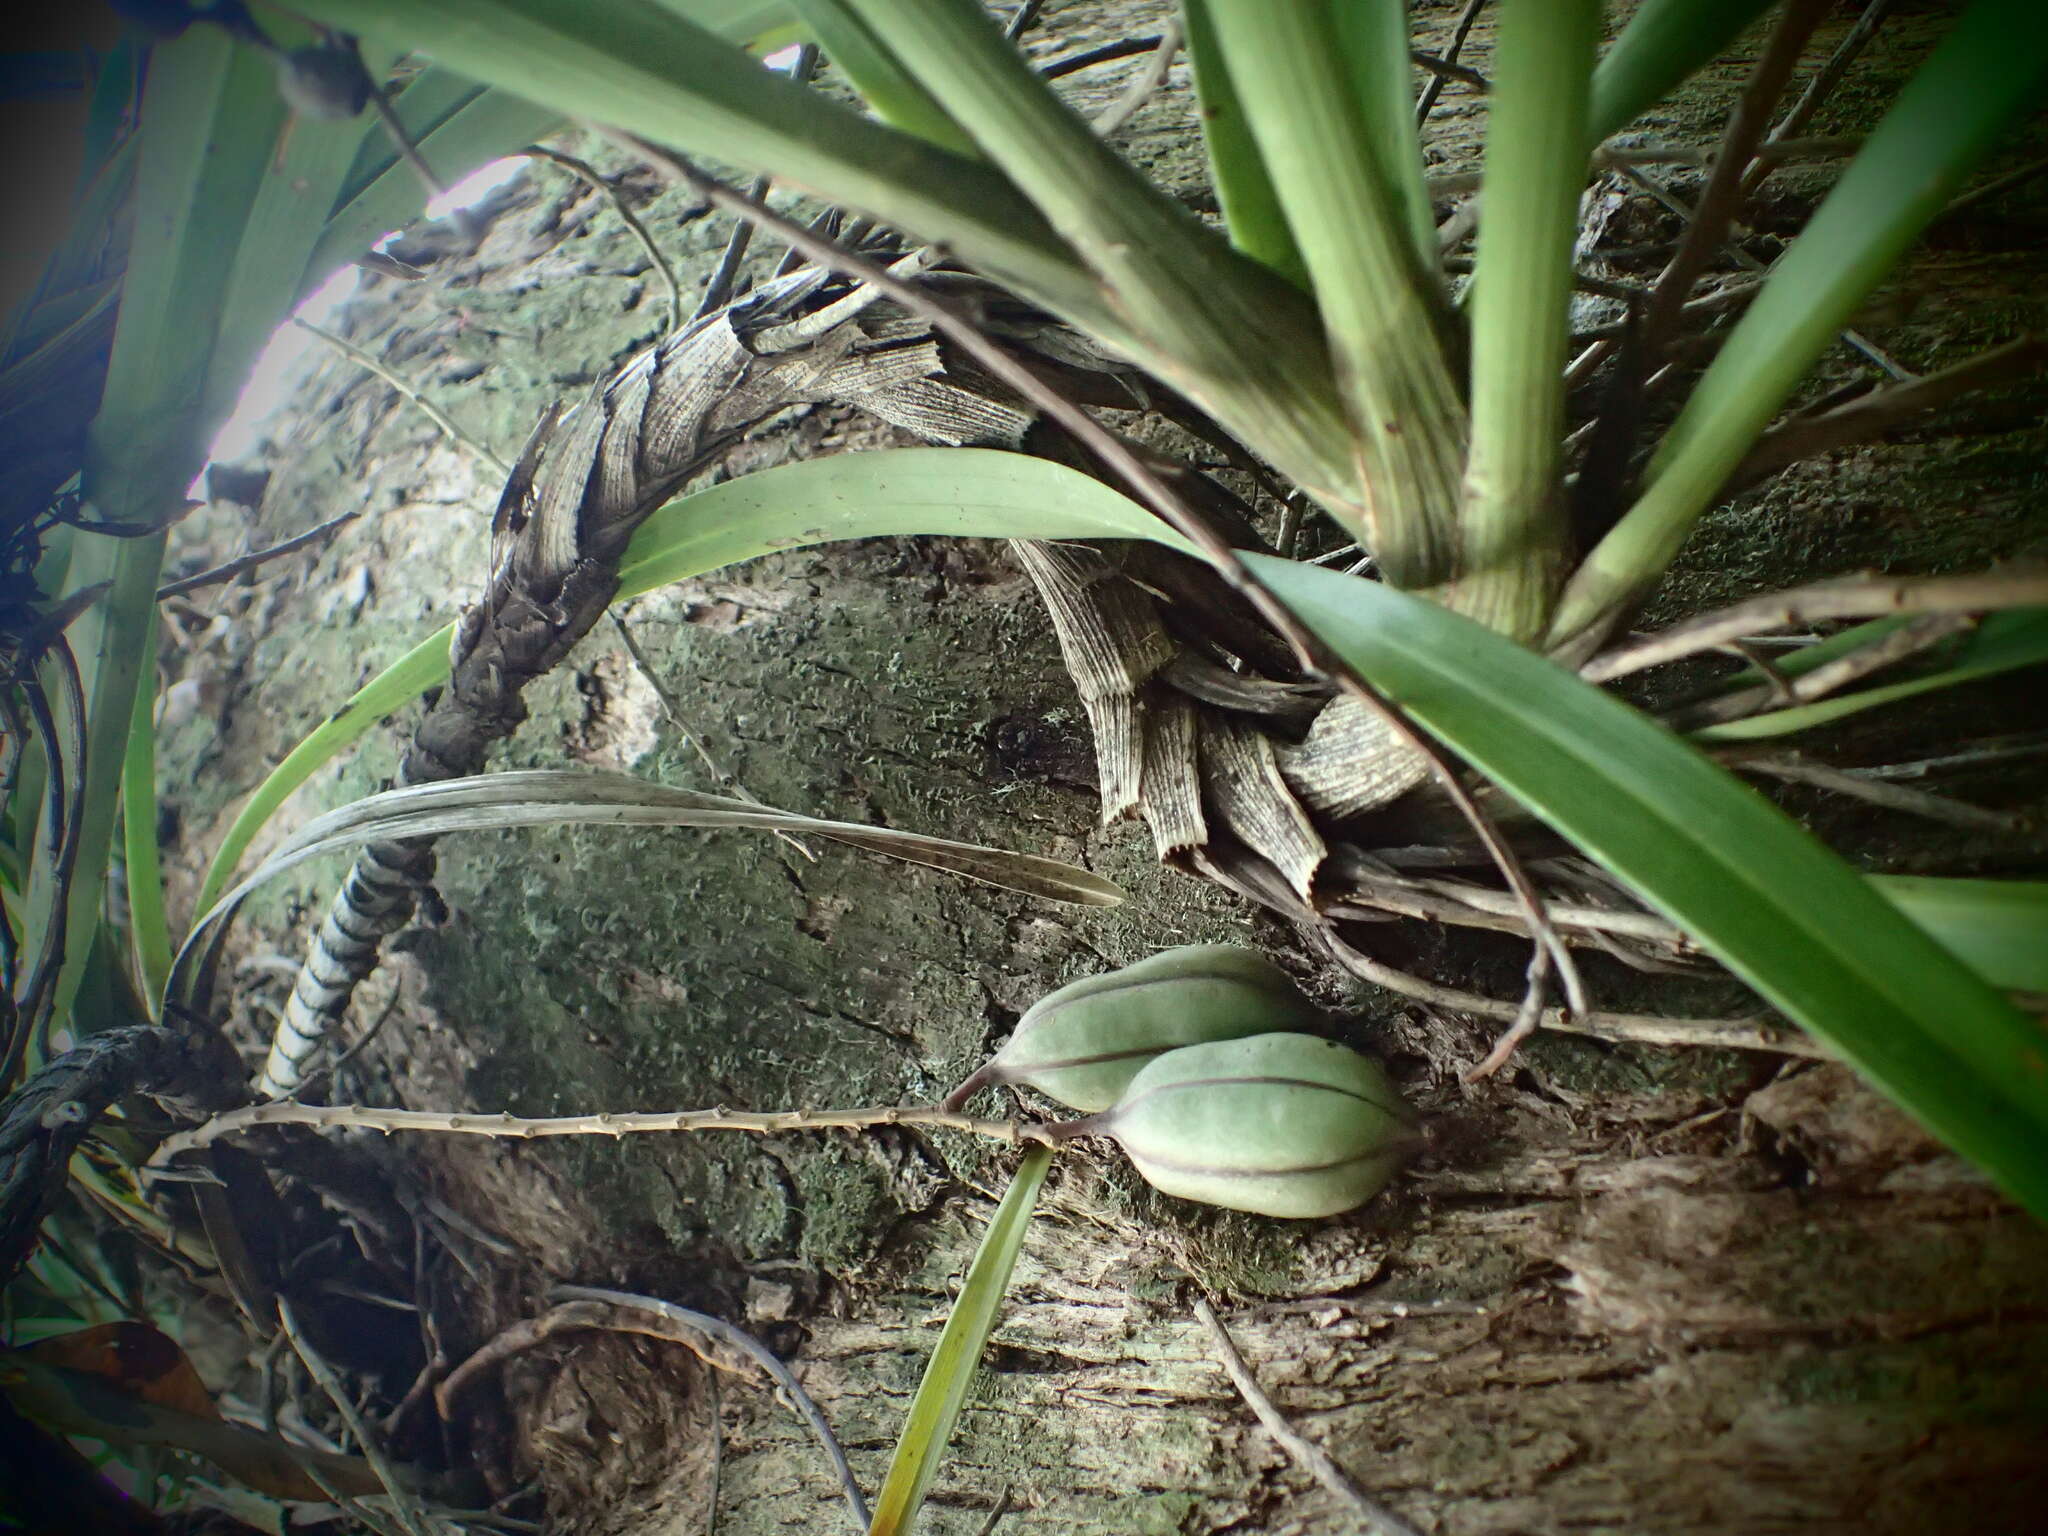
[[1083, 1044], [1281, 1124]]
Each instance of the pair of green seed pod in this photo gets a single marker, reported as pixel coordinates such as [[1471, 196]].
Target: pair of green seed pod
[[1197, 1064]]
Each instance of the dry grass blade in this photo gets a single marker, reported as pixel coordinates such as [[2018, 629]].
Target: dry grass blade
[[545, 797], [1851, 598]]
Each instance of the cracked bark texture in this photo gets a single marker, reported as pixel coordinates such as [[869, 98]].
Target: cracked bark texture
[[1627, 1289]]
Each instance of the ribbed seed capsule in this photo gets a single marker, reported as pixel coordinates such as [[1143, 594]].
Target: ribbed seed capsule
[[1083, 1044], [1279, 1124]]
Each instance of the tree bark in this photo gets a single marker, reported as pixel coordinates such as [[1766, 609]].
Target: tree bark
[[1626, 1288]]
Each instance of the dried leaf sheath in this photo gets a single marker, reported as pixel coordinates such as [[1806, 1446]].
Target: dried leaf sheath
[[653, 425], [1113, 642]]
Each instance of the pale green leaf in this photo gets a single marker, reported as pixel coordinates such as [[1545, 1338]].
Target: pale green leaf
[[1756, 890], [968, 492], [2003, 642], [1987, 70], [936, 1407]]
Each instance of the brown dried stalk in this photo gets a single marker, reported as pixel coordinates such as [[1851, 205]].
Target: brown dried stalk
[[506, 1127]]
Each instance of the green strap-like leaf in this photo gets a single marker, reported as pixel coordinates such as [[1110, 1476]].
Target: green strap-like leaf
[[1663, 43], [148, 933], [1757, 891], [457, 126], [936, 1408], [655, 71], [2004, 642], [1380, 306], [209, 124], [1952, 112], [1251, 208], [1511, 515], [890, 91], [965, 492], [1998, 927]]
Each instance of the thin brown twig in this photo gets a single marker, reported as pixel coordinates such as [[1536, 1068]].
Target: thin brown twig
[[427, 408], [403, 1505], [1483, 901], [1316, 657], [249, 562], [1528, 1016], [1817, 91], [1434, 85], [1856, 597], [1773, 152], [718, 290], [1701, 308], [1866, 417], [1108, 53], [1750, 1033], [1718, 200], [1894, 797], [1143, 84], [1993, 188], [1448, 69], [1853, 339], [1021, 19], [733, 1337], [616, 198], [996, 1513], [1374, 1516], [568, 1317], [1995, 750], [464, 221], [1616, 156]]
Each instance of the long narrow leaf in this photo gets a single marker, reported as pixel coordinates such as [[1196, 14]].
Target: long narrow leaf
[[1174, 295], [936, 1408], [454, 136], [1511, 522], [1251, 208], [2004, 642], [891, 91], [1757, 891], [1988, 69], [1664, 42], [541, 797], [300, 183], [1374, 40], [1377, 300], [458, 125], [419, 669], [657, 73], [965, 492], [544, 797]]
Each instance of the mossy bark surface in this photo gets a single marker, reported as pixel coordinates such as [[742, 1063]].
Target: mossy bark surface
[[1627, 1289]]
